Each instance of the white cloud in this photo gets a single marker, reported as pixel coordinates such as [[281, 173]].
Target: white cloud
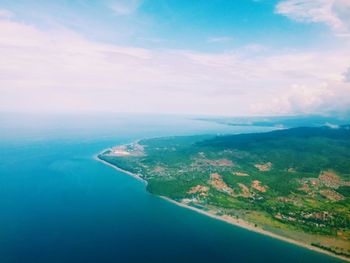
[[125, 7], [334, 13], [302, 99], [347, 75], [219, 39], [59, 70], [254, 48], [5, 14]]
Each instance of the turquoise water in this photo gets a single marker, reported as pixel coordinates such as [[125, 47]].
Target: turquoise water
[[57, 204]]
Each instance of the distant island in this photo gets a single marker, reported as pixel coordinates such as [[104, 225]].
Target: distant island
[[281, 121], [291, 184]]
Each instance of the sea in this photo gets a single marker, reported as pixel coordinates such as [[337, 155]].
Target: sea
[[58, 204]]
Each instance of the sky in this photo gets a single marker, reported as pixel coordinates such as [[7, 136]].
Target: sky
[[201, 57]]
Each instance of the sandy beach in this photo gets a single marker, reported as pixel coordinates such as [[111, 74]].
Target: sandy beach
[[237, 222]]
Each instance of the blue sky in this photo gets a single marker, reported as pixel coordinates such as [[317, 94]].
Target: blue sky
[[243, 57], [201, 25]]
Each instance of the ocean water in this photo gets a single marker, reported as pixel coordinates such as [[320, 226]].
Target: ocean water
[[58, 204]]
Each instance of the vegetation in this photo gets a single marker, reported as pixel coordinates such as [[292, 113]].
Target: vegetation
[[295, 182]]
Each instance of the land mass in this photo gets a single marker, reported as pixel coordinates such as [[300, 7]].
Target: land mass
[[281, 121], [291, 184]]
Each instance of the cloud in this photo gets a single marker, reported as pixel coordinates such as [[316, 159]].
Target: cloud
[[125, 7], [303, 99], [347, 75], [6, 14], [341, 9], [219, 39], [255, 48], [57, 69], [334, 13]]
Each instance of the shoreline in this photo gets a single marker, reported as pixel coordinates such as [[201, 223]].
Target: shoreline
[[120, 169], [229, 220], [248, 226]]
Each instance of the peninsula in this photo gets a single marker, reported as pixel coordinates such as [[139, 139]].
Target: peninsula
[[291, 184]]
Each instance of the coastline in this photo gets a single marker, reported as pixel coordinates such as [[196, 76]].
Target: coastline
[[237, 222], [120, 169], [249, 226]]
